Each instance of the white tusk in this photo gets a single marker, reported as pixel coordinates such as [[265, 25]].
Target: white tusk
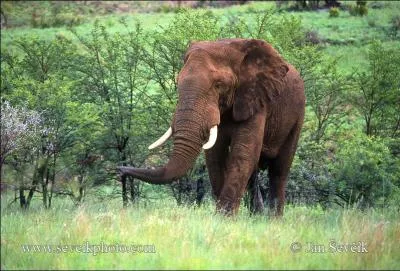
[[212, 139], [162, 139]]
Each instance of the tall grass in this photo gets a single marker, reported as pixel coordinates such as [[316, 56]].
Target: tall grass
[[197, 238]]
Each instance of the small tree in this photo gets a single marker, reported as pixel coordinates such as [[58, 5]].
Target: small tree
[[37, 77], [20, 130], [20, 137], [112, 75], [378, 95]]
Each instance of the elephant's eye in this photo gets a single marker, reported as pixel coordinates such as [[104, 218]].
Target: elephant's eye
[[220, 87]]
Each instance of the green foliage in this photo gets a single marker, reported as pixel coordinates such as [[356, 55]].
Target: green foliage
[[167, 8], [378, 93], [57, 16], [43, 58], [395, 26], [110, 74], [169, 44], [372, 21], [20, 132], [334, 12], [110, 89], [84, 159], [325, 95], [313, 37], [360, 9], [365, 171], [284, 32], [310, 181], [39, 79]]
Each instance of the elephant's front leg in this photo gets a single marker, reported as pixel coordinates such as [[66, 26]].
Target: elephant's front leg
[[246, 144], [215, 160]]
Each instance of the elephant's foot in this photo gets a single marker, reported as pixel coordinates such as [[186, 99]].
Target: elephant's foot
[[227, 208], [275, 208]]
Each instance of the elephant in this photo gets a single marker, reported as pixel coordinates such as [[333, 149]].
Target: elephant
[[241, 102]]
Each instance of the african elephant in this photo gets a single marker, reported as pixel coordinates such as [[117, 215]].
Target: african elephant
[[242, 103]]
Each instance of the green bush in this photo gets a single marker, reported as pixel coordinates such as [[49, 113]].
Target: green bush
[[45, 20], [377, 5], [371, 21], [111, 71], [360, 9], [334, 12], [68, 19], [353, 10], [395, 25], [365, 172], [167, 8]]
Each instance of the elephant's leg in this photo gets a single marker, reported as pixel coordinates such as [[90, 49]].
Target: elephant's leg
[[246, 143], [277, 185], [256, 204], [215, 160], [278, 171]]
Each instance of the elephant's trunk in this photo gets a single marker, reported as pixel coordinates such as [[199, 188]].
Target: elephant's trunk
[[195, 115], [187, 146]]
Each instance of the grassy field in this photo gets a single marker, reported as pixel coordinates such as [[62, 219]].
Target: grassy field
[[343, 29], [345, 37], [197, 238]]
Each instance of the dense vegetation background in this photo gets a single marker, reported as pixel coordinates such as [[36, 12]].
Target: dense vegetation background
[[87, 86]]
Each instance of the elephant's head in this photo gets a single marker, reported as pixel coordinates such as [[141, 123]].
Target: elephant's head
[[235, 75]]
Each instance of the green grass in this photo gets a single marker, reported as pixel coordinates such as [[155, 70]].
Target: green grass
[[351, 28], [197, 238], [347, 35], [355, 57], [150, 21]]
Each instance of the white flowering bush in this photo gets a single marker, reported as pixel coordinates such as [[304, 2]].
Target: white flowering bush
[[20, 130]]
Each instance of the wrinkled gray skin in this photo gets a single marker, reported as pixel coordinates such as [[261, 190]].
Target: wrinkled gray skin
[[256, 99]]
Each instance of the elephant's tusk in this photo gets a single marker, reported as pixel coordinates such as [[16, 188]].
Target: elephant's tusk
[[162, 139], [212, 139]]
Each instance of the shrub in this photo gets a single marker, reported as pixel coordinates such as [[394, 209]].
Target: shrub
[[69, 19], [101, 82], [376, 5], [360, 9], [334, 12], [395, 27], [371, 22], [55, 18], [312, 37], [352, 10], [165, 8], [365, 172]]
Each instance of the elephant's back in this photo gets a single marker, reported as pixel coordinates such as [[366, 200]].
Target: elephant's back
[[295, 84]]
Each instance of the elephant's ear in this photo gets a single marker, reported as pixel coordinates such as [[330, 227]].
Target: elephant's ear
[[261, 76]]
